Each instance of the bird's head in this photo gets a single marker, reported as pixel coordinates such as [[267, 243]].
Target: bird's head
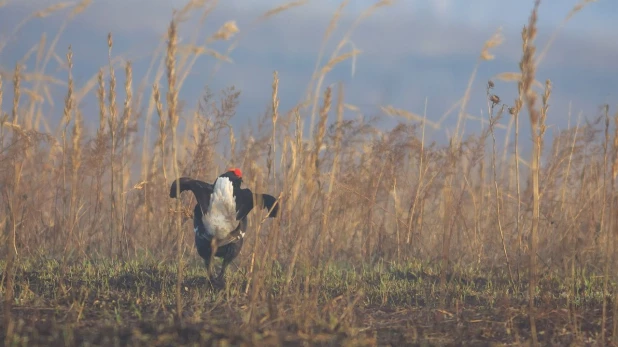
[[235, 175]]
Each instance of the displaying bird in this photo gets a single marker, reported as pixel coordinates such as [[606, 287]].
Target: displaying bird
[[220, 216]]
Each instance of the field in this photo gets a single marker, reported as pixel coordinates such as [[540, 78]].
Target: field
[[383, 237], [135, 303]]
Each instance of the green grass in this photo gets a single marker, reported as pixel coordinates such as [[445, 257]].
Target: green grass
[[133, 303]]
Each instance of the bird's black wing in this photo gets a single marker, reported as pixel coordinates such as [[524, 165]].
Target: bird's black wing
[[245, 203], [201, 190], [270, 203]]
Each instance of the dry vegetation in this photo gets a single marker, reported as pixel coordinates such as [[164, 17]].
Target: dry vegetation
[[415, 243]]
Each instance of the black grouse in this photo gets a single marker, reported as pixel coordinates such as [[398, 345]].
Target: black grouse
[[220, 215]]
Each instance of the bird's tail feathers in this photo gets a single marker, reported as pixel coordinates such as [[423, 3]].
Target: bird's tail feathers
[[220, 219]]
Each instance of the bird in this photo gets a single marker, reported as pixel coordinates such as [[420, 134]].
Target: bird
[[220, 216]]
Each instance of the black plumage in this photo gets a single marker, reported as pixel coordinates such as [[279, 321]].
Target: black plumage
[[227, 243]]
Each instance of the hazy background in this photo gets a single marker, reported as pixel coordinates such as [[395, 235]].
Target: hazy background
[[411, 50]]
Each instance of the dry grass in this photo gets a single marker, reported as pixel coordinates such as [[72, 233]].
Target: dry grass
[[382, 237]]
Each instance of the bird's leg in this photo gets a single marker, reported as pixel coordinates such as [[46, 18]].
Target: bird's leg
[[208, 264], [221, 277], [213, 246]]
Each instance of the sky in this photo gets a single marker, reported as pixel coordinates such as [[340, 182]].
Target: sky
[[415, 55]]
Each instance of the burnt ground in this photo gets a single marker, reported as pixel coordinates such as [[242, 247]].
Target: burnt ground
[[135, 304]]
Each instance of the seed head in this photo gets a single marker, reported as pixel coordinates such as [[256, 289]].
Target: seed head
[[494, 99]]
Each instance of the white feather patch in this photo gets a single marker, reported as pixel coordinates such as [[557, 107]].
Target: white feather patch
[[220, 219]]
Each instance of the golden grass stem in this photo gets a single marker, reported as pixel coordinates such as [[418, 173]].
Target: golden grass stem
[[11, 224], [492, 121], [528, 70], [125, 150], [173, 117], [612, 227], [603, 226], [112, 122]]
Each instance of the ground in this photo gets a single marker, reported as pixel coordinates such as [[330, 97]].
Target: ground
[[134, 303]]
